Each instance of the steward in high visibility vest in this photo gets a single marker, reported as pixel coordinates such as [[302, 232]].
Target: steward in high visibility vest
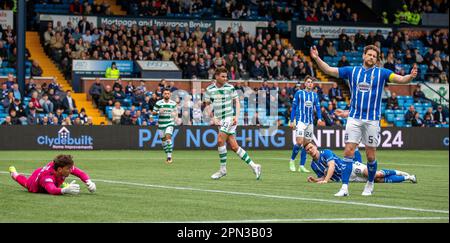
[[112, 72]]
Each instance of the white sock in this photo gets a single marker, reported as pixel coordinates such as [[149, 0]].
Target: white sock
[[169, 155], [223, 167], [401, 173], [344, 187], [14, 175], [252, 164]]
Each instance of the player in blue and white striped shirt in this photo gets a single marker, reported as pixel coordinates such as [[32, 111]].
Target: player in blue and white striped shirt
[[366, 85], [303, 106], [328, 167]]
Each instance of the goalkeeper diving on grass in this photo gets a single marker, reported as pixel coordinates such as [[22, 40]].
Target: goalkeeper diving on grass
[[50, 178]]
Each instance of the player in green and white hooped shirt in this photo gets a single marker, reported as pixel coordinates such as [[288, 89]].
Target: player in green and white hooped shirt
[[222, 95], [166, 122]]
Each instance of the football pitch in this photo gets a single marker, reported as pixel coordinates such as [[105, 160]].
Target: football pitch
[[137, 186]]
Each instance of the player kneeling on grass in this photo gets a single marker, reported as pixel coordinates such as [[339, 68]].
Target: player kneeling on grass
[[166, 109], [50, 178], [328, 167]]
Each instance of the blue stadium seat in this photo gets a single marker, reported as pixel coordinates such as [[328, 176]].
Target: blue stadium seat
[[390, 117], [399, 112], [342, 104], [399, 122]]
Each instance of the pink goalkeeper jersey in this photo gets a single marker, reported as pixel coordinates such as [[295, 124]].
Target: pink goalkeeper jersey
[[45, 180]]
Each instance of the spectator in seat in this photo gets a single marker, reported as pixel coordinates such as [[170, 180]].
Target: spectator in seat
[[326, 116], [36, 70], [16, 91], [3, 92], [8, 100], [386, 94], [392, 102], [45, 121], [18, 107], [310, 70], [279, 72], [32, 118], [343, 62], [76, 7], [59, 115], [117, 112], [417, 121], [57, 102], [36, 102], [9, 81], [126, 119], [432, 73], [53, 120], [54, 85], [106, 98], [69, 103], [233, 74], [96, 90], [83, 116], [46, 104], [410, 114], [418, 94], [129, 89], [335, 93], [331, 50], [428, 121], [14, 119], [30, 87], [119, 95], [439, 116], [321, 48]]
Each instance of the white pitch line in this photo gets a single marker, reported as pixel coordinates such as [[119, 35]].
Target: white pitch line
[[203, 158], [268, 196], [306, 220]]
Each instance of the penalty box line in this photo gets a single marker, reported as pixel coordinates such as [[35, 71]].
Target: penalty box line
[[267, 196]]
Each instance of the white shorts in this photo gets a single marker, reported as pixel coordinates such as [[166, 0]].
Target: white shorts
[[359, 131], [164, 131], [227, 127], [358, 172], [304, 130]]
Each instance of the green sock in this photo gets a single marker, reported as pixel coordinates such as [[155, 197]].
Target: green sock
[[223, 155], [244, 156]]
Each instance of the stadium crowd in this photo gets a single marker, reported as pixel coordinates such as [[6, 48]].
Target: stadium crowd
[[264, 56], [314, 11]]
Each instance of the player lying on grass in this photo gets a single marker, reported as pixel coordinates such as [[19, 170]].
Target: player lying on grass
[[49, 178], [328, 167]]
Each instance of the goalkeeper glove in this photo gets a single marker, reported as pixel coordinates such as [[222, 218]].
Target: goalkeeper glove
[[72, 188], [91, 186]]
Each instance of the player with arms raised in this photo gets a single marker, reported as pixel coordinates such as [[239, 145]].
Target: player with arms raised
[[222, 95], [366, 85], [303, 106], [166, 108]]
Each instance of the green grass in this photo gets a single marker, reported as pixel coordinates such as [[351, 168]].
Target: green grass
[[280, 194]]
